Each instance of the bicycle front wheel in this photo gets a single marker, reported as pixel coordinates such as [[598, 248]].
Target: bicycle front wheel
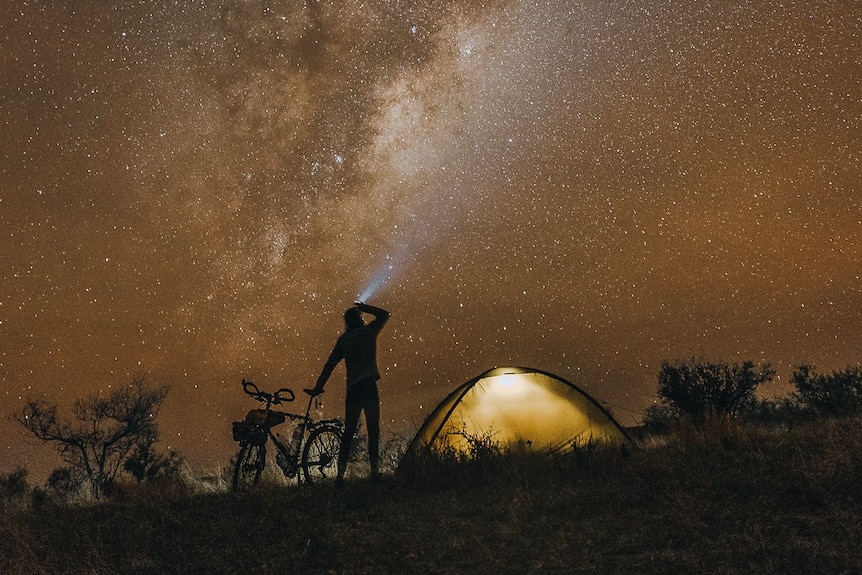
[[250, 462], [320, 456]]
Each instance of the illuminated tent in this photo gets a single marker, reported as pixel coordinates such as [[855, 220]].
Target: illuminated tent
[[518, 408]]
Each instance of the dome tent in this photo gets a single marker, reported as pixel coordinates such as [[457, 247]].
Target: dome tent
[[518, 408]]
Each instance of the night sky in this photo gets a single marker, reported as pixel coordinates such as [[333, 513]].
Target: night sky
[[194, 191]]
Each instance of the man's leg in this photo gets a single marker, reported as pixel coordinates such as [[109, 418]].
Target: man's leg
[[351, 422], [372, 421]]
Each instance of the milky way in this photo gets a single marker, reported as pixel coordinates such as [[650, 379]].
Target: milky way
[[194, 191]]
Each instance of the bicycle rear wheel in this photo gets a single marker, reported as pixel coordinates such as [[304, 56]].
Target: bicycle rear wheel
[[320, 456], [250, 462]]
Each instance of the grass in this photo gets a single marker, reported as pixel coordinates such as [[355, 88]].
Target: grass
[[727, 499]]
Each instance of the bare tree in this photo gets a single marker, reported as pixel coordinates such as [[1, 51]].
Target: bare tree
[[103, 431]]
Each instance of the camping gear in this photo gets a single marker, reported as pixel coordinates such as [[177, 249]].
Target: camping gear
[[517, 409]]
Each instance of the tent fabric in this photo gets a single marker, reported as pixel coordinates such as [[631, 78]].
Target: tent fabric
[[518, 409]]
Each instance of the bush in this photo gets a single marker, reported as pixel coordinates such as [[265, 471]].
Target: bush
[[836, 394], [700, 389], [14, 486], [65, 483]]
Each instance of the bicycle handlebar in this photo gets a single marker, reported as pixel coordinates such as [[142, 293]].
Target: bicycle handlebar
[[282, 395]]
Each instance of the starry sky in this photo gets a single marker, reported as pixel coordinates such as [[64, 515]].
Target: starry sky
[[195, 191]]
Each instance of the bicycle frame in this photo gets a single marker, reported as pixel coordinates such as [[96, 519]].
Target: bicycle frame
[[304, 426], [312, 450]]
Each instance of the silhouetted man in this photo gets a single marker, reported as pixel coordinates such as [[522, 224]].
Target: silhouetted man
[[357, 346]]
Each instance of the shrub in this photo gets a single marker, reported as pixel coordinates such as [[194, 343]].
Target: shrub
[[835, 394], [700, 389], [14, 486]]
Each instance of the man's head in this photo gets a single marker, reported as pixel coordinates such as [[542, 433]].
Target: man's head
[[353, 319]]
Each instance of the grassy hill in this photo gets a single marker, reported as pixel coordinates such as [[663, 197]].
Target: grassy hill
[[727, 499]]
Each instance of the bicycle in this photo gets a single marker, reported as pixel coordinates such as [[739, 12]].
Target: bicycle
[[313, 447]]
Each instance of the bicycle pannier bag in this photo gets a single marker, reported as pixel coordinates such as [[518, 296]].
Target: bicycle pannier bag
[[261, 417], [245, 432]]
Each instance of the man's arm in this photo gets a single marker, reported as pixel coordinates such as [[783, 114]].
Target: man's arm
[[381, 316], [334, 357]]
